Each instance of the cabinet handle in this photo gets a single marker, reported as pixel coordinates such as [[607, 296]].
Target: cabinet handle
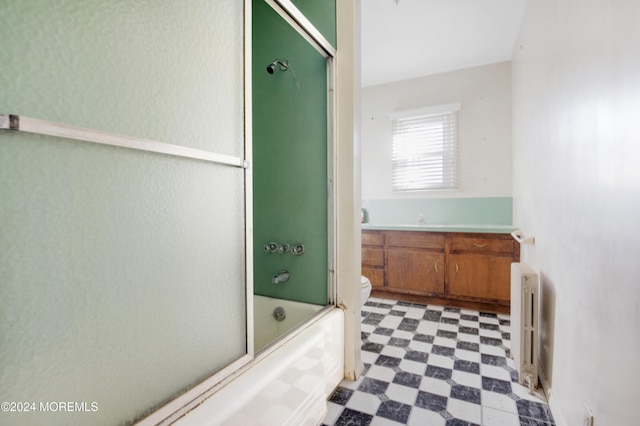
[[436, 265], [456, 268], [479, 245]]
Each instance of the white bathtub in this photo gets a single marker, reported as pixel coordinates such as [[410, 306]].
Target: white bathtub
[[289, 382]]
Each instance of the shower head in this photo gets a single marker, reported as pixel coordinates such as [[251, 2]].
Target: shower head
[[284, 65]]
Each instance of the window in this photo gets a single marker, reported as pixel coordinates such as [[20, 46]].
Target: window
[[424, 149]]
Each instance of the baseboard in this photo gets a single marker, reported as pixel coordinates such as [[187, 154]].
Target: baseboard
[[552, 401]]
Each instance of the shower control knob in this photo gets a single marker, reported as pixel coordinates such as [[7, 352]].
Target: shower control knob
[[297, 249], [271, 247], [285, 248]]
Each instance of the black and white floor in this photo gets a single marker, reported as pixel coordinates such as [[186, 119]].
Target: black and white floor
[[429, 365]]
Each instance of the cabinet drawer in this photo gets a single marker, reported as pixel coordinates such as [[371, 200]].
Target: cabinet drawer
[[372, 256], [427, 240], [481, 244], [372, 238]]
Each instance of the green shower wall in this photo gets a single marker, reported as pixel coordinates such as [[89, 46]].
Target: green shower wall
[[289, 160], [322, 14]]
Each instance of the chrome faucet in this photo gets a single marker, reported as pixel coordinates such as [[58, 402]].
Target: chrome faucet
[[280, 277]]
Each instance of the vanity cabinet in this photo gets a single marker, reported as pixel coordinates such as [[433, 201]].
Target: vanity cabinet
[[452, 268]]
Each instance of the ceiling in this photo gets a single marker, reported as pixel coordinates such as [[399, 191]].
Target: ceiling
[[403, 39]]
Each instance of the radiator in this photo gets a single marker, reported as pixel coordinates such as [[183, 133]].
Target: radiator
[[524, 323]]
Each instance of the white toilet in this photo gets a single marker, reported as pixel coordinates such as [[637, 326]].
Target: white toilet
[[365, 288]]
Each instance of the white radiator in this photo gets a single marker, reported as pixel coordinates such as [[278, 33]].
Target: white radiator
[[524, 322]]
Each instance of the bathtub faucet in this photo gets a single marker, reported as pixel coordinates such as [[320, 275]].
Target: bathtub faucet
[[281, 277]]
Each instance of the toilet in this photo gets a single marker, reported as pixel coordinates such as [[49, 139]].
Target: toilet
[[365, 288]]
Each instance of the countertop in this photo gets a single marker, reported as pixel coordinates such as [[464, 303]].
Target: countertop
[[487, 229]]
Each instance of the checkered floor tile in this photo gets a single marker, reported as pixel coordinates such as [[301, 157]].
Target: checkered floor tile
[[430, 365]]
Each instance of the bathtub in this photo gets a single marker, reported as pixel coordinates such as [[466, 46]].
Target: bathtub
[[289, 381]]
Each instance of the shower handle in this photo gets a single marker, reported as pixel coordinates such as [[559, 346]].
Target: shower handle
[[297, 249]]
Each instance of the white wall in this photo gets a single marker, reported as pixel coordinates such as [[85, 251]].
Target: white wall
[[576, 99], [484, 129]]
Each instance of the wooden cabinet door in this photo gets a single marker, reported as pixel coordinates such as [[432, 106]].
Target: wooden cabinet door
[[416, 270], [375, 275], [479, 275]]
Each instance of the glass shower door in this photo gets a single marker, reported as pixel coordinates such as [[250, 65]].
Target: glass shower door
[[122, 272]]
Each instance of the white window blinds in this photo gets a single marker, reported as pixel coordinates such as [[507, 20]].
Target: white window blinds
[[424, 149]]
